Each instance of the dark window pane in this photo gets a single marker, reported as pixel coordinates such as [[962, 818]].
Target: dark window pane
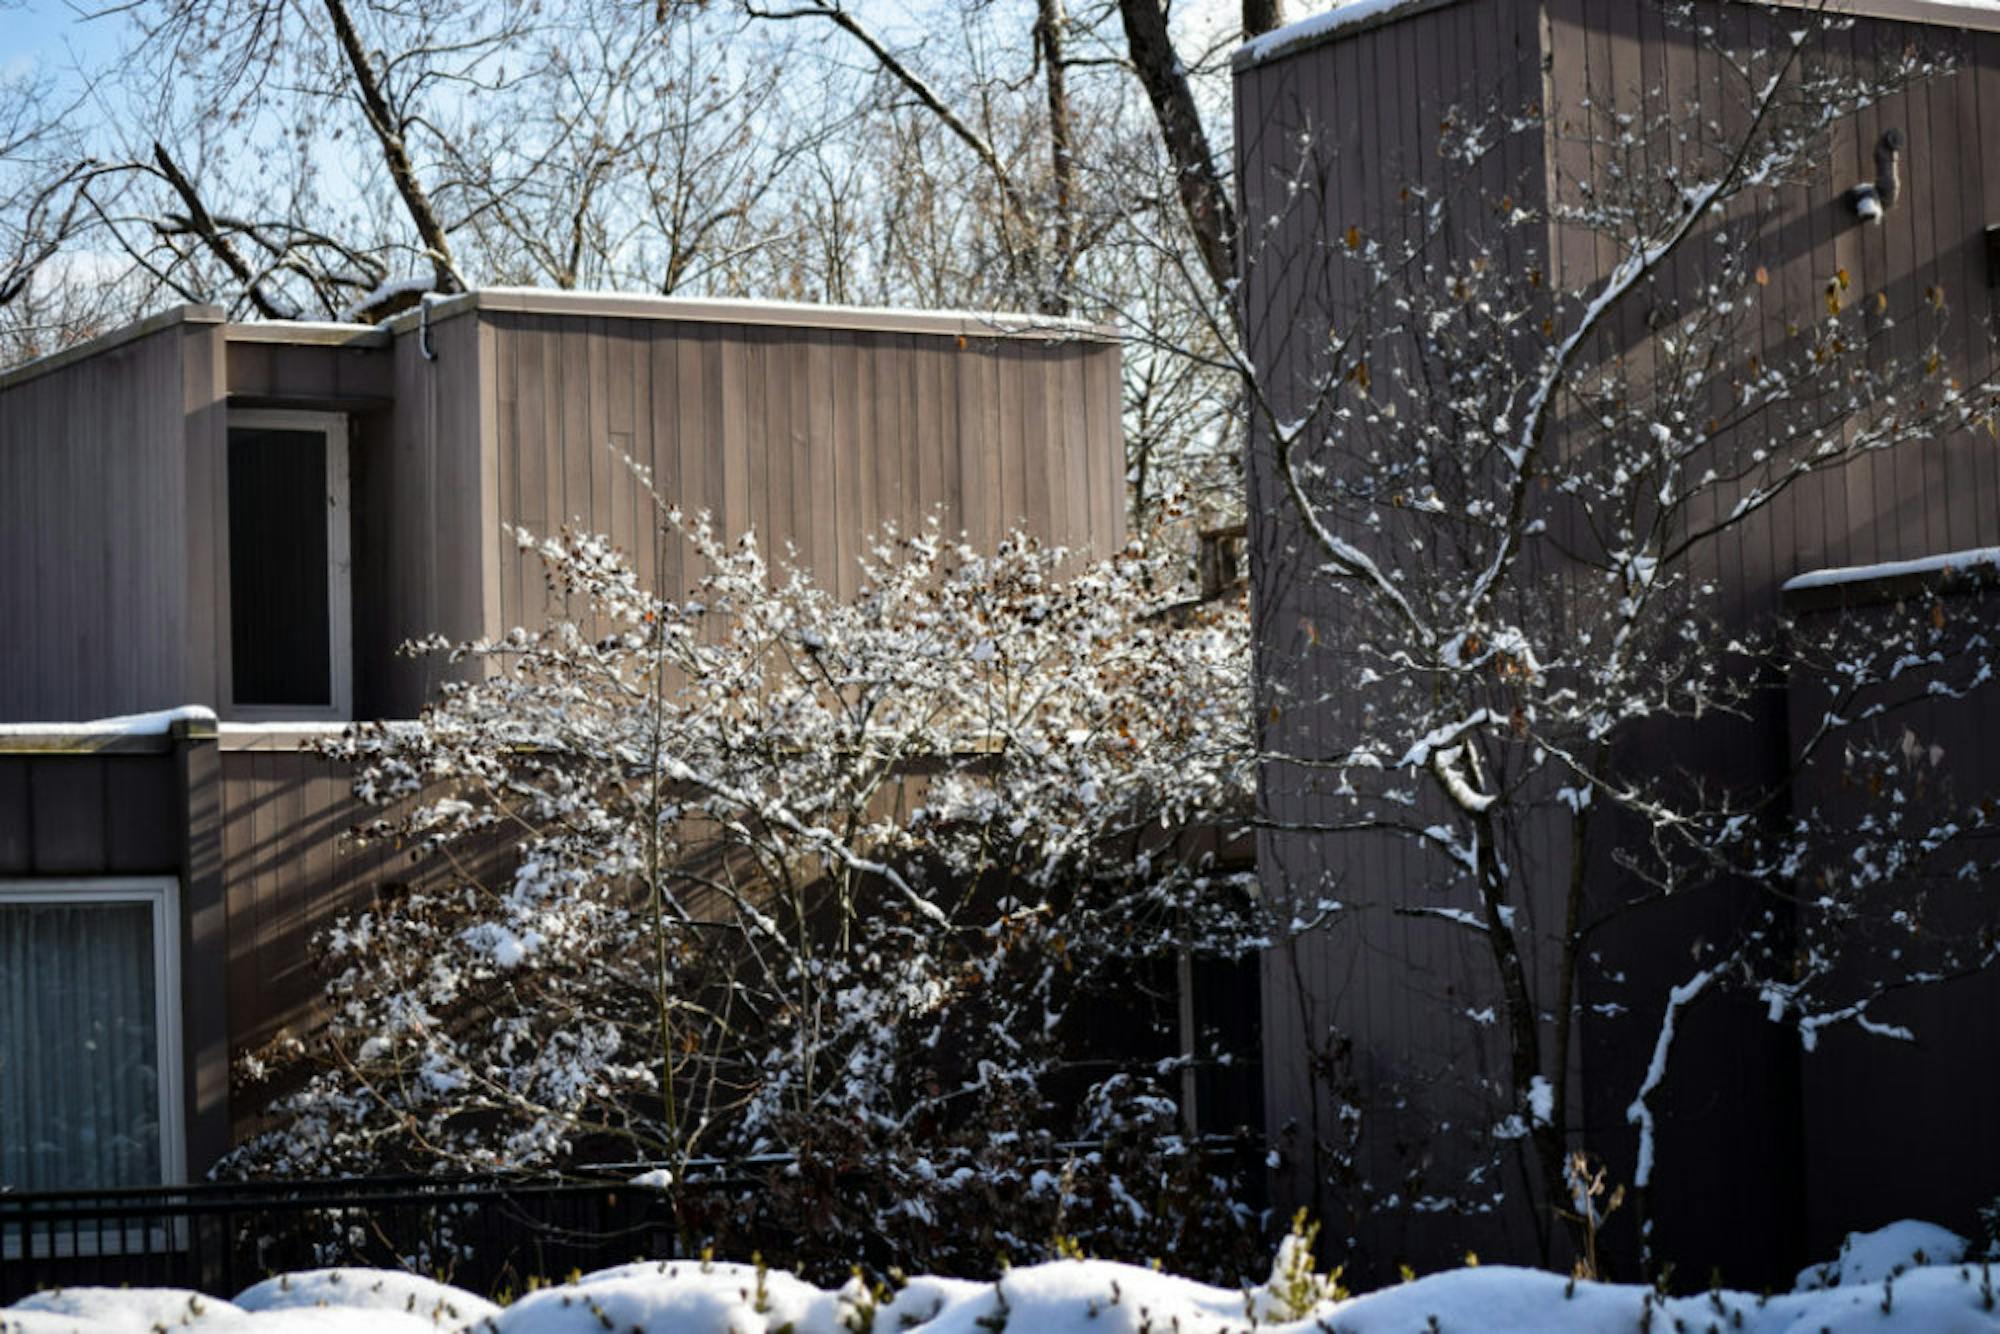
[[279, 637]]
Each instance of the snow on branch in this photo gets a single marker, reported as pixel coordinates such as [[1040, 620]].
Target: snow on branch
[[792, 875]]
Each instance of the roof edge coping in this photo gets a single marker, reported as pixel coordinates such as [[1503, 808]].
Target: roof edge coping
[[790, 314], [1345, 20], [106, 342], [308, 333], [1359, 16]]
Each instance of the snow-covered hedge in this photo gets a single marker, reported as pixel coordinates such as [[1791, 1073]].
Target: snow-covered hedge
[[1906, 1277], [844, 883]]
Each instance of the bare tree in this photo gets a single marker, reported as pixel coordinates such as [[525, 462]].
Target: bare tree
[[395, 149], [1508, 445], [337, 158]]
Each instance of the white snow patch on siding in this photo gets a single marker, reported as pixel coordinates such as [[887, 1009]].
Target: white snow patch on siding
[[157, 723], [1860, 574]]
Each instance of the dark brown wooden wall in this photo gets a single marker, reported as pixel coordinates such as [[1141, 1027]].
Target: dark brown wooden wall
[[1768, 1174], [1369, 107], [1890, 1128], [1736, 1192], [291, 869], [86, 815]]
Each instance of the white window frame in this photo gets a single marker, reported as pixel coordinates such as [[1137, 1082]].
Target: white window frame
[[339, 573], [163, 894]]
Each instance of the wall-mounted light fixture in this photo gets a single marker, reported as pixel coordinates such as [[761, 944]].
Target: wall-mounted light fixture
[[1871, 199]]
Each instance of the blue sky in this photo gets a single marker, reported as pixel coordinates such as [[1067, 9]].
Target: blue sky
[[44, 33]]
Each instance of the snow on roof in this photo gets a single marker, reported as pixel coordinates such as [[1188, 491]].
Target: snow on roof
[[1311, 31], [1347, 15], [418, 286], [305, 331], [1945, 563], [158, 723], [646, 305]]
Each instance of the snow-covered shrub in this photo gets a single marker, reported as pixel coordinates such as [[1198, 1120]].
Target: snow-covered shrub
[[801, 881]]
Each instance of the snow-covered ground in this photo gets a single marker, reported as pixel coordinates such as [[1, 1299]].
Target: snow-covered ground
[[1905, 1277]]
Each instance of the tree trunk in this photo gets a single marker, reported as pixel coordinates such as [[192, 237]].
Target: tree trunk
[[1203, 194], [1261, 16], [1051, 27]]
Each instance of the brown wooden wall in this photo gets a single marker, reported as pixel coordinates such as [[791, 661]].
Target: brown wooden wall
[[140, 807], [811, 434], [290, 871], [816, 437], [1737, 1193], [291, 868], [1398, 987], [814, 428], [1889, 1128], [95, 530], [418, 541]]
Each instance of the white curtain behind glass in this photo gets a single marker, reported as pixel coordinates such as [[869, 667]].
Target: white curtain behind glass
[[79, 1047]]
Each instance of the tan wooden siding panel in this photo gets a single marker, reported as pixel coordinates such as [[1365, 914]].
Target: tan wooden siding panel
[[813, 437], [291, 870], [94, 539]]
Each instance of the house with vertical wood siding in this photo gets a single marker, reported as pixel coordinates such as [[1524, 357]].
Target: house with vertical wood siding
[[217, 535], [1378, 1056]]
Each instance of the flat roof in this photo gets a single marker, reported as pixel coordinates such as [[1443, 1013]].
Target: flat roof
[[787, 314], [1349, 17], [90, 347], [616, 305]]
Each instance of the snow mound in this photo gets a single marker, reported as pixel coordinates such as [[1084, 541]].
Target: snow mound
[[676, 1295], [1068, 1295], [1870, 1257], [163, 1310], [333, 1320], [1502, 1300], [114, 1310], [442, 1305], [1878, 1284]]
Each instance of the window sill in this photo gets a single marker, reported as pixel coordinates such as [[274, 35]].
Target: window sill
[[285, 734]]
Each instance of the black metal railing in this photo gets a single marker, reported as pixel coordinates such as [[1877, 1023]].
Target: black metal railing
[[491, 1236], [498, 1236]]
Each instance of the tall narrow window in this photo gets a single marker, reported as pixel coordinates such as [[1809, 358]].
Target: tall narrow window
[[288, 594], [89, 1035]]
